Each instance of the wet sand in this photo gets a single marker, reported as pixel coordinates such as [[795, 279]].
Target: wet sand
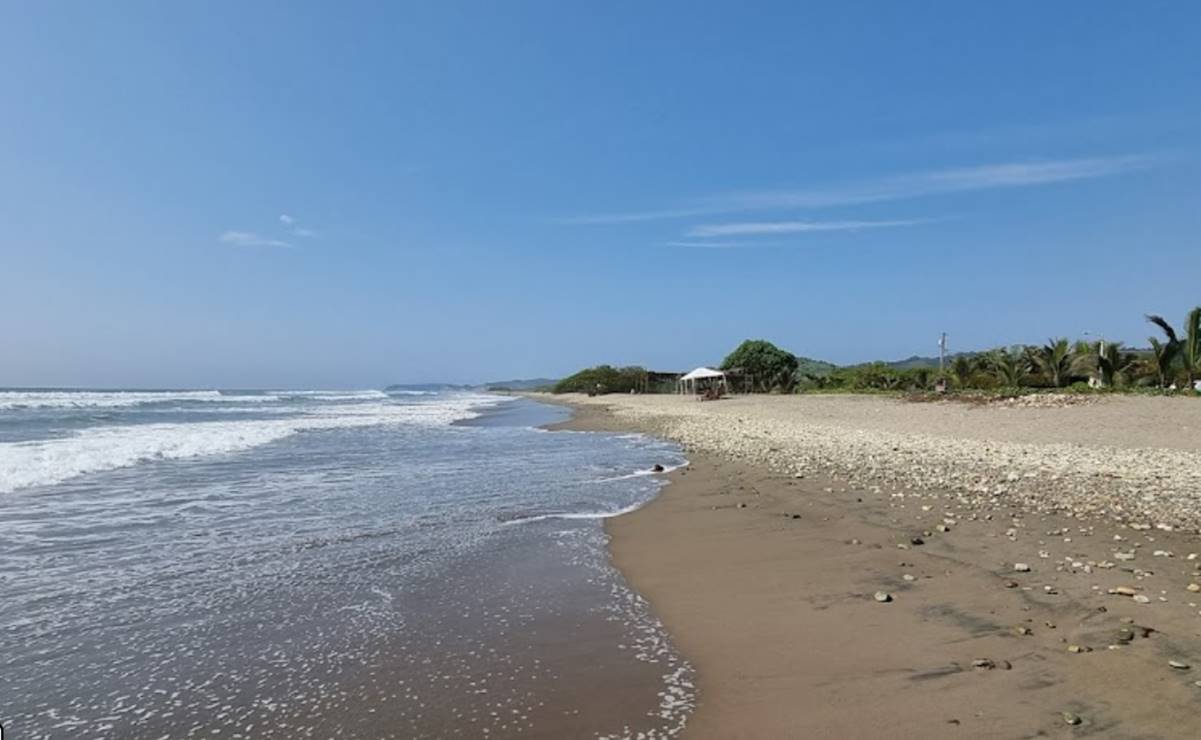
[[767, 583]]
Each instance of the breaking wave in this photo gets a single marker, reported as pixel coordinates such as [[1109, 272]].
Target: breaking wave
[[49, 461]]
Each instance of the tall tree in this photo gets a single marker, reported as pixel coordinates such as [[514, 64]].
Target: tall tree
[[1162, 356], [1187, 350], [770, 366]]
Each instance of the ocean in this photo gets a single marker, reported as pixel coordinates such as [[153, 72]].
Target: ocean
[[321, 564]]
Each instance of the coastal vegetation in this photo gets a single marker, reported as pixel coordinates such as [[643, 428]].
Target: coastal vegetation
[[1170, 363]]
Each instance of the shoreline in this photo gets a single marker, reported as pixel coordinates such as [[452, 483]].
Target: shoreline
[[766, 583]]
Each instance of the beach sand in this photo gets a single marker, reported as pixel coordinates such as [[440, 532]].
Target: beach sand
[[767, 577]]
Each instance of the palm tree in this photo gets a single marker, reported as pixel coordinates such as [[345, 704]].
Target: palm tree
[[1188, 350], [1114, 365], [1057, 361], [1191, 352], [1162, 356], [961, 368], [1009, 366]]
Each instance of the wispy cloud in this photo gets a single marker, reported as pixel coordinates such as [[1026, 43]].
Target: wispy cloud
[[250, 239], [719, 245], [759, 228], [294, 227], [895, 187]]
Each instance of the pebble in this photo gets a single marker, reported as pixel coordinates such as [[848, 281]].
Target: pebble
[[1193, 587], [1072, 718], [909, 577], [1179, 665], [916, 541], [1021, 567], [984, 664], [883, 597], [1141, 599]]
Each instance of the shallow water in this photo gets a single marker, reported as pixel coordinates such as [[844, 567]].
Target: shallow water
[[320, 564]]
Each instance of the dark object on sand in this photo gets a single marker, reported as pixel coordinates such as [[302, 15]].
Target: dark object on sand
[[916, 541], [657, 468]]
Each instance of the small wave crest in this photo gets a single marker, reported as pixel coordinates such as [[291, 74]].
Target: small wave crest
[[530, 518], [12, 400]]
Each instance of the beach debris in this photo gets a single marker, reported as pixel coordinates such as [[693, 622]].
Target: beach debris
[[1072, 718], [883, 597], [1179, 665], [1021, 567], [983, 664], [657, 468]]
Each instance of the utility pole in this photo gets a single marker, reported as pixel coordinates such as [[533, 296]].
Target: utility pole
[[942, 353]]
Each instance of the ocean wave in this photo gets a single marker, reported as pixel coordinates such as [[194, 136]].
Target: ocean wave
[[49, 461], [364, 395], [530, 518], [640, 473], [12, 400]]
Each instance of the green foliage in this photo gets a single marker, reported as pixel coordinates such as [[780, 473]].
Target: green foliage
[[1115, 366], [768, 366], [603, 379], [1010, 367], [1057, 361], [1161, 359], [1186, 352]]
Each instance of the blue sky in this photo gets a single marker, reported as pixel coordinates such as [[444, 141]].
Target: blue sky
[[352, 194]]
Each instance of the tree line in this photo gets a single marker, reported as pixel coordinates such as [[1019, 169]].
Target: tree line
[[1173, 361]]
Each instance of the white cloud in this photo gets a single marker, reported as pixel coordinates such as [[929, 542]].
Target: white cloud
[[757, 228], [305, 233], [250, 239], [895, 187], [286, 220]]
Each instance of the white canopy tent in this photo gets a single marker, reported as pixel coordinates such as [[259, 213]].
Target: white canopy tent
[[689, 383]]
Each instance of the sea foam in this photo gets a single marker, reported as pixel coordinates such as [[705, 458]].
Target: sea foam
[[49, 461], [10, 400]]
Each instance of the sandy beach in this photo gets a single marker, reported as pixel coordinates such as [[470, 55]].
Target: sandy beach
[[855, 567]]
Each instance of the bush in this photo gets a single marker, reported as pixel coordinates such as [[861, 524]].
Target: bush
[[602, 379], [770, 367]]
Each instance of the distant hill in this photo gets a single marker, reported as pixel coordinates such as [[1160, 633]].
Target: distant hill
[[524, 384], [916, 361], [816, 368]]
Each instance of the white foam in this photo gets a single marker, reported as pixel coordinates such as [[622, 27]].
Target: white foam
[[574, 515], [10, 400], [641, 473], [49, 461], [336, 395]]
